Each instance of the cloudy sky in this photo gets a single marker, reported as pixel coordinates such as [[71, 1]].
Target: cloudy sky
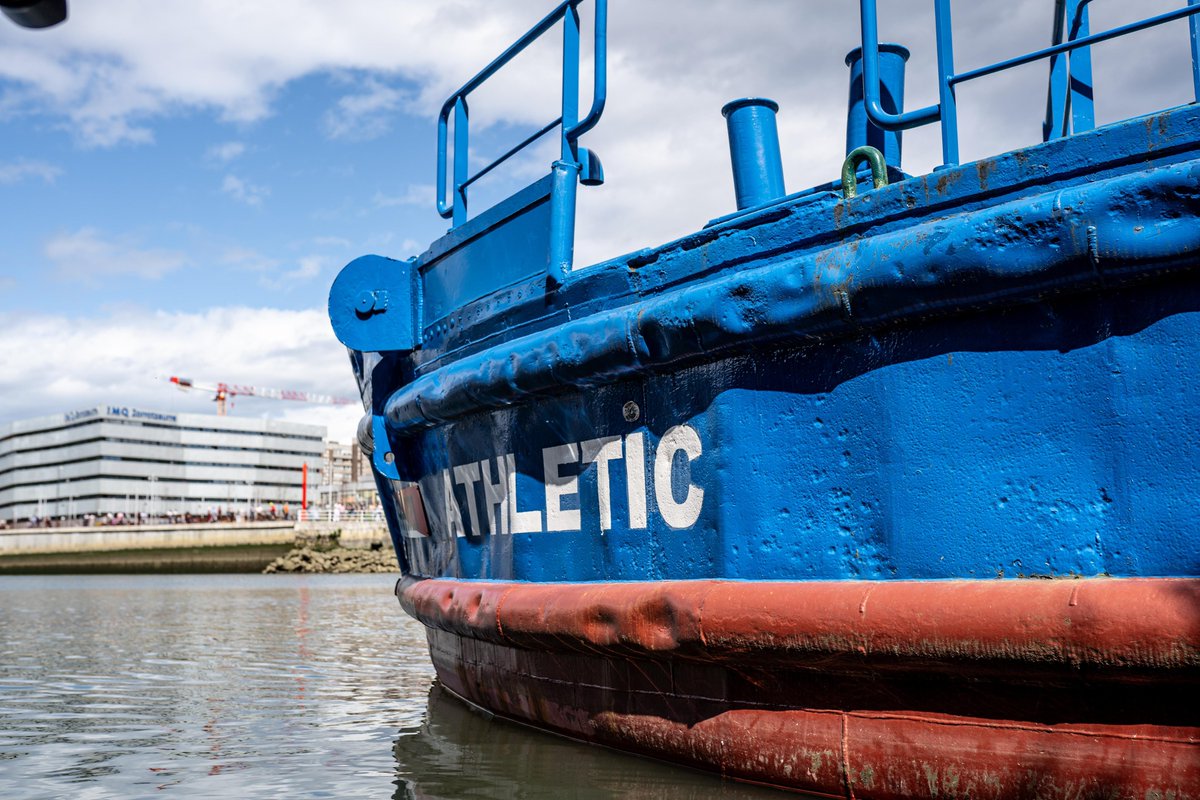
[[180, 182]]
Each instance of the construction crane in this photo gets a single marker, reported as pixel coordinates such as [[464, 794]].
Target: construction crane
[[222, 392]]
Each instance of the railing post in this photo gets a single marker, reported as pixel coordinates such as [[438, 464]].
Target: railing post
[[1083, 115], [570, 80], [1194, 28], [599, 74], [946, 100], [1055, 124], [461, 163], [566, 169], [872, 100], [562, 221]]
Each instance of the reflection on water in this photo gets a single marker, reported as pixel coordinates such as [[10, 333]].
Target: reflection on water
[[459, 753], [263, 686]]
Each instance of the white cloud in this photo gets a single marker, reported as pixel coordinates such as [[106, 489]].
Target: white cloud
[[226, 151], [248, 259], [244, 191], [415, 194], [276, 273], [365, 114], [340, 421], [17, 171], [125, 358], [121, 64], [306, 269], [88, 256]]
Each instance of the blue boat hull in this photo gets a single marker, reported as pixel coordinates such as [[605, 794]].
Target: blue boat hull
[[1054, 439], [877, 497]]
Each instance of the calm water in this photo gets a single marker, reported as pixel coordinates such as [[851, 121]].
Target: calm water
[[264, 686]]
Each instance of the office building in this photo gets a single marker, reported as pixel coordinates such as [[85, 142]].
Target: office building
[[111, 460], [346, 478]]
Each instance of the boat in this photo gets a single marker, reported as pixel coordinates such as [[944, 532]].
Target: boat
[[884, 488]]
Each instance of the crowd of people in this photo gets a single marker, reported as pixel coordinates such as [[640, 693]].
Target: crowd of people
[[215, 515]]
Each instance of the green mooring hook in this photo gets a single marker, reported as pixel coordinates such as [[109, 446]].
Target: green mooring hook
[[850, 166]]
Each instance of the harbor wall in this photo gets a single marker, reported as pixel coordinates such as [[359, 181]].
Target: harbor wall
[[351, 534], [35, 541], [353, 545]]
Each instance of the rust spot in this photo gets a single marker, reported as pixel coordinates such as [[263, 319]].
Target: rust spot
[[984, 168]]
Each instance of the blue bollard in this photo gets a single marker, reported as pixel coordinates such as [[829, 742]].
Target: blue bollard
[[754, 151], [861, 131]]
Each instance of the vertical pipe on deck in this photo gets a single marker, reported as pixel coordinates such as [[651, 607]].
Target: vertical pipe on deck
[[754, 151], [860, 131]]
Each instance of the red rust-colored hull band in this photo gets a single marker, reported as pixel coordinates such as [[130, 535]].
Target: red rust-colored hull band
[[857, 689]]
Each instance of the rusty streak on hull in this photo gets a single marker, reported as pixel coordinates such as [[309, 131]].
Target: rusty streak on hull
[[1047, 689]]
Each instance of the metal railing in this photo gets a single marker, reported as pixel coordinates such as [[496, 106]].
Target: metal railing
[[572, 127], [334, 515], [1070, 90]]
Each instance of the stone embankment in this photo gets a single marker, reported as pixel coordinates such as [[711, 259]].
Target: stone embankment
[[335, 559]]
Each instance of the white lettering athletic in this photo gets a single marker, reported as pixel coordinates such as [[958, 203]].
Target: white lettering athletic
[[494, 507]]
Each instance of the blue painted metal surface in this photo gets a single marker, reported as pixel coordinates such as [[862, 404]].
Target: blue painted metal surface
[[860, 131], [373, 305], [509, 242], [989, 371], [754, 151]]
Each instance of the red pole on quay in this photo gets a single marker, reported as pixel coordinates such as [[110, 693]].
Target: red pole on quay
[[304, 487]]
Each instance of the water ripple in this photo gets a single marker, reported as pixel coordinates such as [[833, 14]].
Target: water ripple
[[263, 687], [132, 686]]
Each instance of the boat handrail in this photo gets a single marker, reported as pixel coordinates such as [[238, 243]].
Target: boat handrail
[[572, 127], [1070, 83]]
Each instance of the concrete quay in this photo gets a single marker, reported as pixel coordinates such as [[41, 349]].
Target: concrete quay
[[353, 534], [344, 545], [39, 541]]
